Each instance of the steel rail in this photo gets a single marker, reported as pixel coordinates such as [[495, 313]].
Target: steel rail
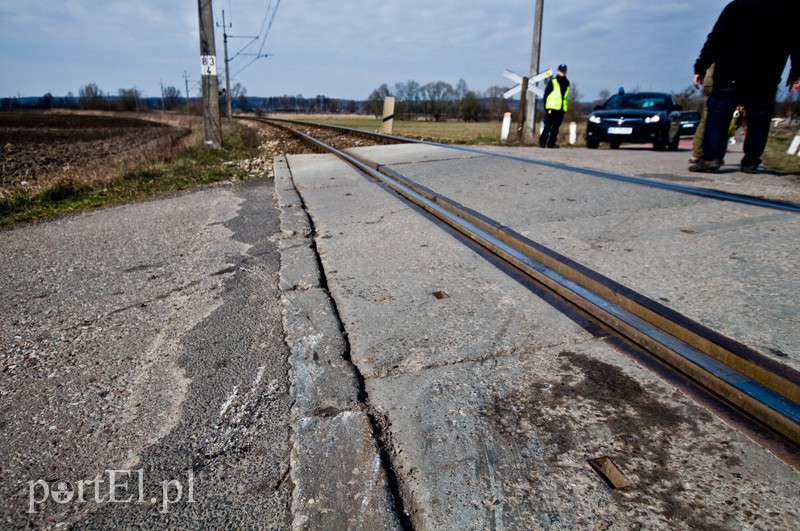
[[766, 391], [652, 183]]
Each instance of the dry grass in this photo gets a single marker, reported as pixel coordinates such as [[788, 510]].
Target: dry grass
[[776, 157], [448, 132]]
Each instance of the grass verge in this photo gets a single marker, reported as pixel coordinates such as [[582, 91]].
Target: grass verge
[[184, 169], [775, 155]]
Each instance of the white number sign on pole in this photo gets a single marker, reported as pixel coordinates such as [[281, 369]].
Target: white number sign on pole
[[209, 65]]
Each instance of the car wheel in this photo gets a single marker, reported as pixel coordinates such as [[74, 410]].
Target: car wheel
[[615, 144], [592, 144]]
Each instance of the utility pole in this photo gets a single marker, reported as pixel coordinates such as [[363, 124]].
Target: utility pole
[[227, 70], [208, 59], [186, 79], [528, 131]]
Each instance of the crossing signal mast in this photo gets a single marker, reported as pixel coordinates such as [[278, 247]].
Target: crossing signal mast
[[225, 38]]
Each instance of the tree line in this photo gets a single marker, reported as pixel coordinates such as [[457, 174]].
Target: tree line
[[438, 101], [90, 97], [435, 101]]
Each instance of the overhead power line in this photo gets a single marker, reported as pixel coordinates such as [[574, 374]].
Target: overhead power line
[[266, 27]]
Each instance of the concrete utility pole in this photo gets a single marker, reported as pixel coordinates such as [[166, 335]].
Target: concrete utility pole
[[528, 131], [208, 59]]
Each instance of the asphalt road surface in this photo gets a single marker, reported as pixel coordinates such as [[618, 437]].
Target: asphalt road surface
[[139, 386]]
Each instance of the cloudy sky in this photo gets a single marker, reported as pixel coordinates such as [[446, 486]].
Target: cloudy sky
[[347, 48]]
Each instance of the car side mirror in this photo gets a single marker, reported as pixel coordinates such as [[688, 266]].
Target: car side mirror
[[677, 108], [598, 107]]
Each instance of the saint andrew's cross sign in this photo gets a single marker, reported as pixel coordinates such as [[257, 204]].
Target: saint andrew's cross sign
[[520, 81]]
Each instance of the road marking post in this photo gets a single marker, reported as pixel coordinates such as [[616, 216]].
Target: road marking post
[[506, 127], [573, 133], [794, 146]]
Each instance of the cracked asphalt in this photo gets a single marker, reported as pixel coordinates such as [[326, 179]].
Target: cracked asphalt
[[143, 369]]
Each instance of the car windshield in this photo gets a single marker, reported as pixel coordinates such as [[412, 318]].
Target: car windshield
[[637, 101]]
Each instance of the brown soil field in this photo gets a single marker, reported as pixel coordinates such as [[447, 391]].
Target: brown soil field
[[38, 148]]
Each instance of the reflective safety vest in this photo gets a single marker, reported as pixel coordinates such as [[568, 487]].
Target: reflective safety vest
[[555, 101]]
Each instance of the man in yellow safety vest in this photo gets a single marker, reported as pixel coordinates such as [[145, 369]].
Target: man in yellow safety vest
[[555, 107]]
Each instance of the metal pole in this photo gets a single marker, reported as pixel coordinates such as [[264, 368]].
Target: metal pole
[[227, 71], [186, 80], [523, 109], [535, 55], [213, 127]]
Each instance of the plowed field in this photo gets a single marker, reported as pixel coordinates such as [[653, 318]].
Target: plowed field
[[36, 148]]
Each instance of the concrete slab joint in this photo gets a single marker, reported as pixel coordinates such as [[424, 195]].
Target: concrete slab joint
[[336, 465]]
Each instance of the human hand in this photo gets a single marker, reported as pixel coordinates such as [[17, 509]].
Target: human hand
[[698, 81], [793, 84]]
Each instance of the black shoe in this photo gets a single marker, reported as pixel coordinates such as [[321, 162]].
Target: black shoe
[[746, 168], [706, 166], [553, 146]]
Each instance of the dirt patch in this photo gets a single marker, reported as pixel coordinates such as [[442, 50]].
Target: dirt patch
[[596, 407]]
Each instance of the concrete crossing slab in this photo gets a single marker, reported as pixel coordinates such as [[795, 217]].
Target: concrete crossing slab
[[494, 401]]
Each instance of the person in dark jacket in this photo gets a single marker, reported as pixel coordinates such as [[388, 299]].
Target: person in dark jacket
[[748, 46], [555, 107]]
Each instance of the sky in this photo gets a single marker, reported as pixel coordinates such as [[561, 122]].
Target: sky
[[347, 48]]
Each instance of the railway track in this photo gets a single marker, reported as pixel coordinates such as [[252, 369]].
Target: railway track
[[761, 388]]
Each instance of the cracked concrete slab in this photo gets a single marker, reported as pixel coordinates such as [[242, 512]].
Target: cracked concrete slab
[[337, 466], [496, 398]]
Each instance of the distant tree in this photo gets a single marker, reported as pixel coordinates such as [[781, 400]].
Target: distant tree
[[605, 94], [374, 103], [408, 98], [91, 97], [46, 102], [498, 105], [239, 97], [439, 97], [128, 99], [689, 98], [574, 109], [172, 97], [471, 107]]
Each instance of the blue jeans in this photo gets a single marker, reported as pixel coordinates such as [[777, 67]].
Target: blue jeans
[[758, 112]]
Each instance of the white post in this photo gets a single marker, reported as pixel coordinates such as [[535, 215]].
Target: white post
[[573, 133], [506, 127], [795, 145]]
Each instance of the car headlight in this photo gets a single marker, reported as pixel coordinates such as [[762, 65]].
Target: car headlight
[[594, 119], [653, 119]]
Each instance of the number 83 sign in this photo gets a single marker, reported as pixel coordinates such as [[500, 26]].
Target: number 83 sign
[[209, 65]]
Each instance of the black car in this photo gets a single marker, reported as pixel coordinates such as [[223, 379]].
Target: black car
[[639, 118], [689, 122]]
